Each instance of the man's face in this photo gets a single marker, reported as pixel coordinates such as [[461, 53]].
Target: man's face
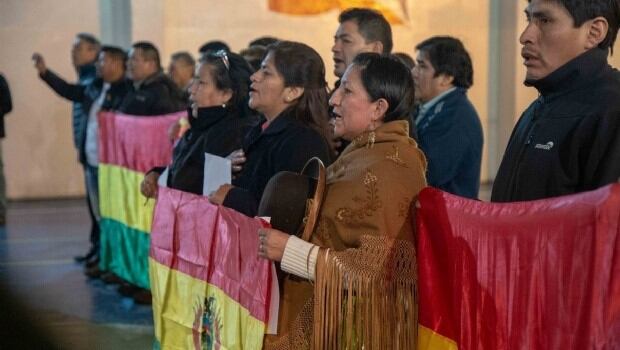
[[348, 42], [550, 39], [138, 67], [82, 53], [426, 84], [180, 73], [109, 68]]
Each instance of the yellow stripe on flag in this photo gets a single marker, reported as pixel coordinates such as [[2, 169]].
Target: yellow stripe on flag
[[430, 340], [121, 200], [187, 310]]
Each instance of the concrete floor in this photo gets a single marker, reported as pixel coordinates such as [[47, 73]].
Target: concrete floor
[[36, 265]]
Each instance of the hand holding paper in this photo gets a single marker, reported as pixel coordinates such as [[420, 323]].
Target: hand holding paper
[[216, 174]]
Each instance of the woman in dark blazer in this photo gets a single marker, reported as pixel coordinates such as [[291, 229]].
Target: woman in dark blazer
[[290, 92]]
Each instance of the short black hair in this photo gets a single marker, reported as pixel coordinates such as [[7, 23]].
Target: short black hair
[[371, 24], [448, 56], [385, 76], [184, 57], [89, 39], [263, 41], [213, 46], [254, 55], [149, 51], [584, 10], [407, 60], [115, 52]]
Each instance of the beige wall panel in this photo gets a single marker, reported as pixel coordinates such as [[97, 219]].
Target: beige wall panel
[[148, 21], [615, 59], [39, 157]]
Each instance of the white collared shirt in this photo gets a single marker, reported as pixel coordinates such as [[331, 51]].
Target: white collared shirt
[[425, 107], [92, 127]]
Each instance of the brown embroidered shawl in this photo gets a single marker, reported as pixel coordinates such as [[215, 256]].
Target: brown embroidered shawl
[[365, 291]]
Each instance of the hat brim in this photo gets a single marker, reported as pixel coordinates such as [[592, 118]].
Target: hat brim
[[316, 169]]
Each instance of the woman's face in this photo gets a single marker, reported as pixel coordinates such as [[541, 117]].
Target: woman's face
[[352, 106], [267, 91], [204, 92]]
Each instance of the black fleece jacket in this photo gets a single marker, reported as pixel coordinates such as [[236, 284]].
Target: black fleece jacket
[[568, 140]]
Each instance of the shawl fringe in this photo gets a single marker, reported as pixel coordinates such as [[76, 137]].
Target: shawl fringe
[[366, 298]]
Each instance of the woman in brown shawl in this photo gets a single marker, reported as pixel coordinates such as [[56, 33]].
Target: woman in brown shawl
[[353, 285]]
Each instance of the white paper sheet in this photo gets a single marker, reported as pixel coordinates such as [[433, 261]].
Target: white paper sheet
[[217, 173], [162, 181]]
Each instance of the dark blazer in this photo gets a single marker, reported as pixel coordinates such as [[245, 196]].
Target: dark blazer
[[215, 131], [568, 140], [450, 134], [85, 95], [286, 144], [156, 95], [6, 104]]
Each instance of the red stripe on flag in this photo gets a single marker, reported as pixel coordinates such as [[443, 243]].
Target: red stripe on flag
[[213, 244], [532, 275], [138, 143]]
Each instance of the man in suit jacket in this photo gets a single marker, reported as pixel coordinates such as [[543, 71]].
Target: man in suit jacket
[[448, 127]]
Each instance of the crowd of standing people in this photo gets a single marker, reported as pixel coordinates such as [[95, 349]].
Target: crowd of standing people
[[389, 127]]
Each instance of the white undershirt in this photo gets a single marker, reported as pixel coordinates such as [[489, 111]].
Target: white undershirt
[[92, 126]]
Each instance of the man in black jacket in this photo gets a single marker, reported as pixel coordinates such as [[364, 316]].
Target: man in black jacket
[[6, 105], [104, 93], [154, 93], [568, 140]]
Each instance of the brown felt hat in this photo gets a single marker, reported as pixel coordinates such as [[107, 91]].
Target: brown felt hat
[[293, 200]]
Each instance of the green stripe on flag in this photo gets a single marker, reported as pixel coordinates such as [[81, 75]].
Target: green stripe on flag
[[125, 251]]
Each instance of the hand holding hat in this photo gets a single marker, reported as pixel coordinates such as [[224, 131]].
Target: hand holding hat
[[148, 186]]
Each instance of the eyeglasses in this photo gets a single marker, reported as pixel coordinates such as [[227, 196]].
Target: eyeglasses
[[224, 56]]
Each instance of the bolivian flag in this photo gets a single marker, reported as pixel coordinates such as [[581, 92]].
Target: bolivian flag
[[531, 275], [129, 146], [210, 289]]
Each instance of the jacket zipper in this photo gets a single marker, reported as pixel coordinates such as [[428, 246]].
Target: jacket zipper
[[529, 135]]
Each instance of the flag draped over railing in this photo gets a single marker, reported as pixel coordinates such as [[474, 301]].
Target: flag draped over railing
[[210, 289], [129, 146], [532, 275]]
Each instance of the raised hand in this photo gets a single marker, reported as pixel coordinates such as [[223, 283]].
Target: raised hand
[[39, 63]]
